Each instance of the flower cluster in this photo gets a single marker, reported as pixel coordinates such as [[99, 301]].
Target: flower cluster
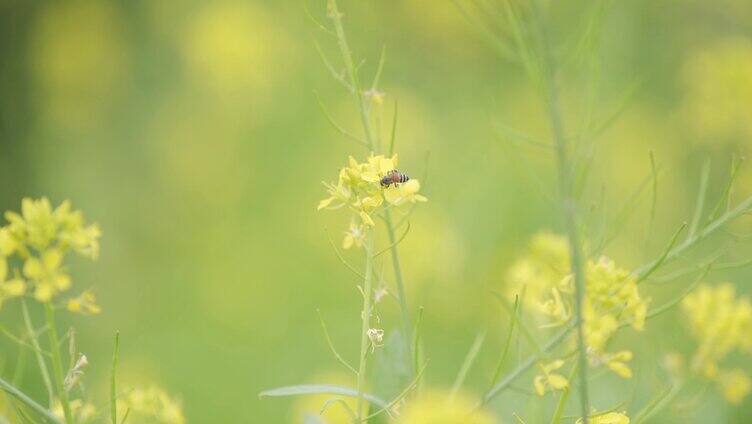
[[37, 240], [359, 189], [607, 418], [718, 86], [83, 412], [721, 323], [611, 300], [439, 408], [152, 404]]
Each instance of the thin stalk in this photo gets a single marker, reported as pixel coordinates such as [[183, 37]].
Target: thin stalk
[[366, 324], [507, 381], [336, 18], [26, 400], [57, 363], [568, 204], [38, 353], [399, 282]]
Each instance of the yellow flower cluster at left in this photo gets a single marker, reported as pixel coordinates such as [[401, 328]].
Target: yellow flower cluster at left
[[721, 323], [359, 189], [33, 246]]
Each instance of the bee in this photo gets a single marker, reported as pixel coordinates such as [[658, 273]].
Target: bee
[[394, 177]]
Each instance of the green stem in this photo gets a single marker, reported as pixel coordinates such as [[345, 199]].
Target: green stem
[[365, 325], [38, 353], [26, 400], [336, 17], [57, 363], [569, 205], [400, 288]]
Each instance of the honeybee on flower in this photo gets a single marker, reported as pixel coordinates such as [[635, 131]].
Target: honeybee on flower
[[365, 187]]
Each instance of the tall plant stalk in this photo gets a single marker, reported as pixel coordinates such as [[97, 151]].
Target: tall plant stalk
[[365, 323], [370, 137], [57, 362]]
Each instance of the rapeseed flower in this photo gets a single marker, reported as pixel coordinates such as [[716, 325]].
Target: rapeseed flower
[[438, 408], [611, 299], [721, 323], [359, 189], [152, 404], [607, 418], [39, 238], [549, 380], [83, 412]]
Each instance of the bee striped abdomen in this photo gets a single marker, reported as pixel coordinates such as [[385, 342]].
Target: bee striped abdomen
[[394, 177]]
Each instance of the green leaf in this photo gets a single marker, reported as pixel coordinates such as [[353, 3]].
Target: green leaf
[[320, 389]]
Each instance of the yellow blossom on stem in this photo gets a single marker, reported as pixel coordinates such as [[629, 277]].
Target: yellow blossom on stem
[[40, 237], [85, 303], [152, 405], [83, 412], [549, 380], [355, 236], [359, 188], [719, 322]]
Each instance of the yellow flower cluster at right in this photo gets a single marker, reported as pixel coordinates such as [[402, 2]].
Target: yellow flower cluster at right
[[721, 323], [612, 299]]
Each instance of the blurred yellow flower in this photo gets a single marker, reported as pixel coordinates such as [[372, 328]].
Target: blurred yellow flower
[[718, 87], [542, 268], [83, 412], [611, 297], [435, 407], [9, 288], [404, 193], [607, 418], [617, 362], [41, 237], [720, 322], [153, 405], [85, 303], [549, 380], [355, 236], [735, 385]]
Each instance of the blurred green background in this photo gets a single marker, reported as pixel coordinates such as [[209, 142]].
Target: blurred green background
[[190, 132]]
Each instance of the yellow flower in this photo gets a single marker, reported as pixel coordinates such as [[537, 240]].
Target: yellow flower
[[611, 296], [718, 87], [404, 193], [152, 404], [355, 236], [41, 237], [544, 266], [617, 362], [46, 274], [85, 303], [719, 322], [549, 380], [607, 418], [83, 412], [438, 408], [9, 288], [735, 386]]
